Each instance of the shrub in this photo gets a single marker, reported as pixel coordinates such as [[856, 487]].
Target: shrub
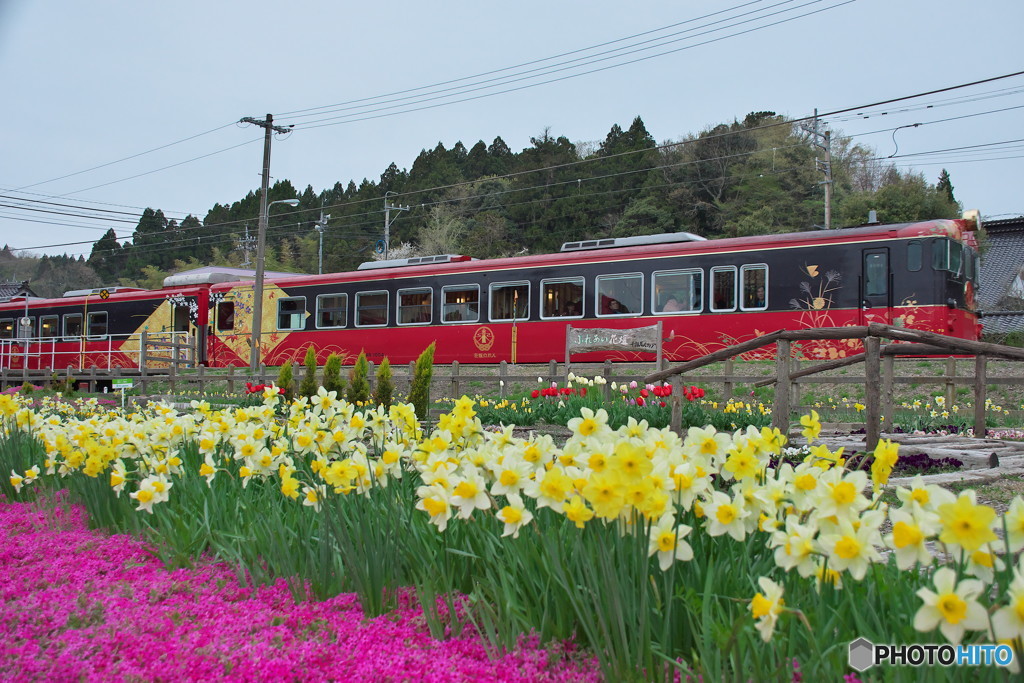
[[27, 388], [358, 382], [419, 393], [284, 380], [385, 388], [333, 380], [309, 384]]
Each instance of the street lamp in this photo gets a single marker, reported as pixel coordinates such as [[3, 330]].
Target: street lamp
[[257, 287]]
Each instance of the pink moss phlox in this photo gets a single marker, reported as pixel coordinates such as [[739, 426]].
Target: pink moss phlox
[[77, 604]]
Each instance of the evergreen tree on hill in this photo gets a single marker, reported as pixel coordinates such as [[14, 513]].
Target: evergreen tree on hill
[[107, 257]]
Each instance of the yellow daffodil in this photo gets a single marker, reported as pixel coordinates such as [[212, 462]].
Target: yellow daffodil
[[766, 606]]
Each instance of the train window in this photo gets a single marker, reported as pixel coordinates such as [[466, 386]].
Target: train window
[[940, 254], [7, 328], [620, 294], [561, 298], [678, 291], [954, 257], [754, 285], [414, 306], [371, 309], [510, 301], [723, 288], [48, 326], [97, 325], [914, 255], [179, 318], [226, 316], [72, 325], [460, 303], [331, 310], [291, 313], [876, 274], [970, 260]]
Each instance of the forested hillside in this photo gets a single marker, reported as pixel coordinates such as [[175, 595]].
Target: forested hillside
[[758, 175]]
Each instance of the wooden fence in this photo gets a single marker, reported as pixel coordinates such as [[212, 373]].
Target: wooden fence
[[879, 378], [877, 384]]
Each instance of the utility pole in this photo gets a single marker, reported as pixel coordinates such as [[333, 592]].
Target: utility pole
[[824, 166], [387, 221], [246, 244], [261, 239], [321, 226]]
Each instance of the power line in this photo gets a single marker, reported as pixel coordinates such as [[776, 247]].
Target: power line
[[163, 168], [333, 120], [127, 158], [296, 112], [595, 158], [577, 62]]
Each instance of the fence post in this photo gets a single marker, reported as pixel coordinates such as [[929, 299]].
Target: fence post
[[676, 421], [199, 378], [142, 351], [231, 379], [783, 392], [872, 392], [553, 371], [950, 383], [172, 371], [980, 390], [262, 379], [371, 376], [794, 386], [888, 381], [728, 390], [502, 374], [455, 380], [412, 374]]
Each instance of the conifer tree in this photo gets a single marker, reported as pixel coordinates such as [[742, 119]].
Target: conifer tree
[[333, 380], [358, 382], [284, 380], [385, 389], [309, 385], [419, 393]]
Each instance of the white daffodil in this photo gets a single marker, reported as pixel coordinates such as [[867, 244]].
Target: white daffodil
[[852, 548], [795, 548], [726, 516], [952, 607], [514, 515], [666, 539], [909, 534]]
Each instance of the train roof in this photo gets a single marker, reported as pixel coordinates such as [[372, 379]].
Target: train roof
[[954, 228], [94, 297]]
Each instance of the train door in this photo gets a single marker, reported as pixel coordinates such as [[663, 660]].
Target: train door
[[182, 331], [875, 289]]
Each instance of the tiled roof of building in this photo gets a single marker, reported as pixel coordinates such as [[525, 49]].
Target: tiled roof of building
[[9, 290], [1003, 323], [1002, 262]]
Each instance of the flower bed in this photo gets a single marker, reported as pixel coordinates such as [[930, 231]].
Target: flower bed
[[704, 544], [77, 604]]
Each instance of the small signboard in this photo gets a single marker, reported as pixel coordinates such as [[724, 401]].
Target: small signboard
[[122, 383], [104, 294], [584, 339], [581, 340]]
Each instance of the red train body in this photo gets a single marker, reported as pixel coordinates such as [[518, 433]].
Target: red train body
[[706, 294]]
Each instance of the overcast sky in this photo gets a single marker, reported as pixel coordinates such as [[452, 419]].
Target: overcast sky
[[89, 83]]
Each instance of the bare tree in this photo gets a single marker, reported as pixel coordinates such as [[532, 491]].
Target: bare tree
[[443, 232]]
